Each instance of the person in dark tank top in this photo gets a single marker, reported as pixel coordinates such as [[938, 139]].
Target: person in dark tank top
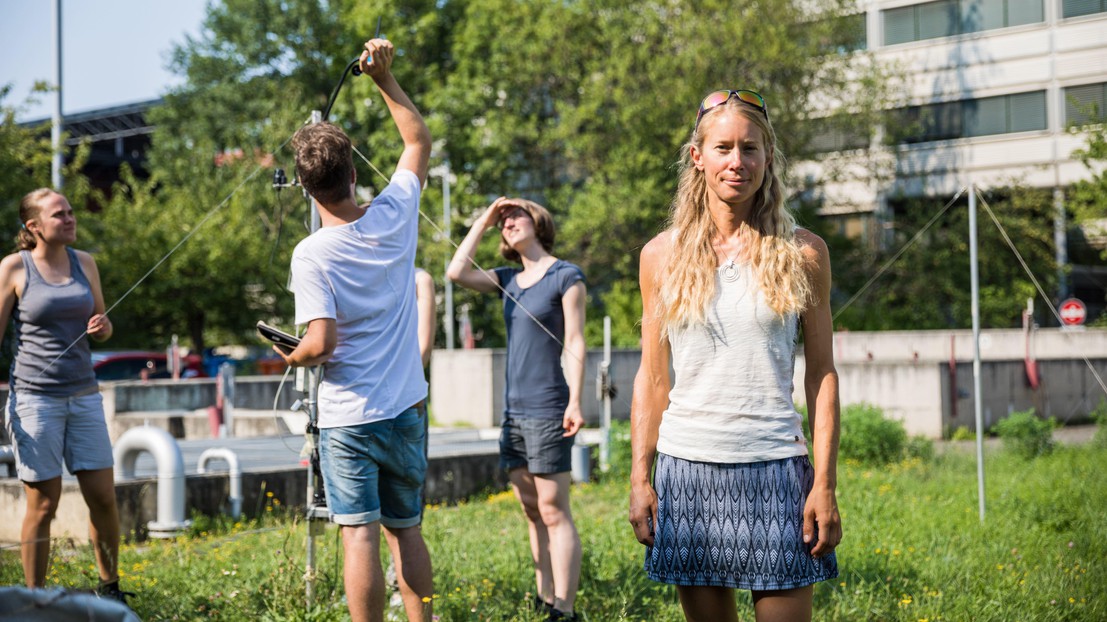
[[544, 313], [55, 414]]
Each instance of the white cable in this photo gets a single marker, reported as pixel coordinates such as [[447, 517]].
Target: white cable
[[888, 264], [1037, 285]]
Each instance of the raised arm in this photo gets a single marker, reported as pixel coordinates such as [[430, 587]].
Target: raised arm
[[651, 393], [820, 515], [461, 269], [376, 62]]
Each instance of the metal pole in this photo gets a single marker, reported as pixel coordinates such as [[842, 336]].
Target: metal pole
[[56, 123], [311, 406], [605, 375], [446, 215], [1060, 242], [976, 396]]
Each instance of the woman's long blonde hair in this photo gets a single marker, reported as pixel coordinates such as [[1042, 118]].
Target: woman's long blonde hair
[[688, 278]]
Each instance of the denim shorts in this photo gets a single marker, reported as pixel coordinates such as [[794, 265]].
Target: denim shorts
[[537, 443], [375, 471], [47, 430]]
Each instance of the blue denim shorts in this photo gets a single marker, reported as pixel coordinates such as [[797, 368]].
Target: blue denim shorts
[[47, 430], [375, 471], [537, 443]]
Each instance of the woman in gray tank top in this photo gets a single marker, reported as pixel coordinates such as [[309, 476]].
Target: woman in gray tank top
[[723, 493], [54, 414], [544, 313]]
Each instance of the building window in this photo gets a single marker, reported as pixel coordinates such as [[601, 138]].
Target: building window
[[1085, 104], [1006, 114], [1076, 8], [946, 18], [834, 135]]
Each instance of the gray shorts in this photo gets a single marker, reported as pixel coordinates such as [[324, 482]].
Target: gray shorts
[[47, 430], [536, 443]]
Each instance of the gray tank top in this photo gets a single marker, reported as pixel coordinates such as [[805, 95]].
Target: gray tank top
[[48, 319]]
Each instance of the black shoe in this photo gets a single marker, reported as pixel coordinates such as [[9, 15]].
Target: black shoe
[[557, 615], [541, 606], [111, 591]]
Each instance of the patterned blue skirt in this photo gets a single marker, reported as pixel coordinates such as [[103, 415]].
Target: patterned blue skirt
[[734, 525]]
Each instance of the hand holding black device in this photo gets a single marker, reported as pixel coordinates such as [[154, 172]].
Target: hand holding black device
[[286, 342]]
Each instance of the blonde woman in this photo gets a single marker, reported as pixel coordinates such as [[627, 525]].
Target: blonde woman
[[734, 501]]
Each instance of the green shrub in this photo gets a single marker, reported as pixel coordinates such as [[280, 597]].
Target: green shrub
[[1026, 434], [1099, 415], [870, 438], [920, 447], [962, 433]]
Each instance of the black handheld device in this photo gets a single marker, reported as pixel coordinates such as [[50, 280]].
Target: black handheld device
[[286, 342]]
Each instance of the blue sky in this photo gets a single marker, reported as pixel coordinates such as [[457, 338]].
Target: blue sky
[[113, 51]]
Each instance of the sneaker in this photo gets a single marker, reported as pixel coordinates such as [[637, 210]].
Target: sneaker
[[557, 615], [111, 591]]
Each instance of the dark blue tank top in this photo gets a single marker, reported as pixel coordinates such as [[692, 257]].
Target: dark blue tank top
[[535, 385], [52, 352]]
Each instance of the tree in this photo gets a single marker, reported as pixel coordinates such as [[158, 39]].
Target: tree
[[583, 106], [928, 286]]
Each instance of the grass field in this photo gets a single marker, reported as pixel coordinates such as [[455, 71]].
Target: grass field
[[914, 550]]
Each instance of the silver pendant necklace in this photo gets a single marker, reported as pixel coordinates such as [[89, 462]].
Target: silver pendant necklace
[[730, 271]]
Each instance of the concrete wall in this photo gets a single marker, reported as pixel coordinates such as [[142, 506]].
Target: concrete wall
[[449, 480], [908, 392], [906, 373], [942, 345], [467, 386], [1068, 391]]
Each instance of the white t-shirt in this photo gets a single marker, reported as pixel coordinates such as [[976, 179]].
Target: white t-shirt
[[362, 275]]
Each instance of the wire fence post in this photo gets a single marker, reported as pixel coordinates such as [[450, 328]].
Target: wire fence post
[[974, 271], [308, 383]]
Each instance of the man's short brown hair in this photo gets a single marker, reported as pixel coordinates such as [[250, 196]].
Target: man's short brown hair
[[324, 162]]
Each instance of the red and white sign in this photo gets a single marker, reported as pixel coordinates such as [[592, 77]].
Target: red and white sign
[[1073, 312]]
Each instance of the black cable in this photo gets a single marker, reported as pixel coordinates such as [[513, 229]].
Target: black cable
[[334, 94]]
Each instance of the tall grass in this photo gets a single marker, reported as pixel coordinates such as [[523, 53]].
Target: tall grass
[[914, 550]]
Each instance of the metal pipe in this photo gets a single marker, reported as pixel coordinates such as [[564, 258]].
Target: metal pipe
[[171, 478], [231, 458], [7, 456], [974, 276]]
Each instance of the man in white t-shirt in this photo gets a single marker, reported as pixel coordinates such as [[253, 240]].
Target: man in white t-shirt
[[354, 281]]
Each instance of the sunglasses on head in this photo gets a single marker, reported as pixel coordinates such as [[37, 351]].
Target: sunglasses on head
[[718, 98]]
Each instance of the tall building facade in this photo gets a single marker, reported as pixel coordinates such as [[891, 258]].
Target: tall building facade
[[991, 90]]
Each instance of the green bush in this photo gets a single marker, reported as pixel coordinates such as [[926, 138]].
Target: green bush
[[962, 433], [870, 438], [1026, 434], [1099, 415], [920, 447]]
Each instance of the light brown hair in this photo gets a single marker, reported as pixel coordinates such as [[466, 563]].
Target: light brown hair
[[30, 206], [544, 229]]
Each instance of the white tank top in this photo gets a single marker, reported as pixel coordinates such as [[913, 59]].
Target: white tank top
[[731, 399]]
